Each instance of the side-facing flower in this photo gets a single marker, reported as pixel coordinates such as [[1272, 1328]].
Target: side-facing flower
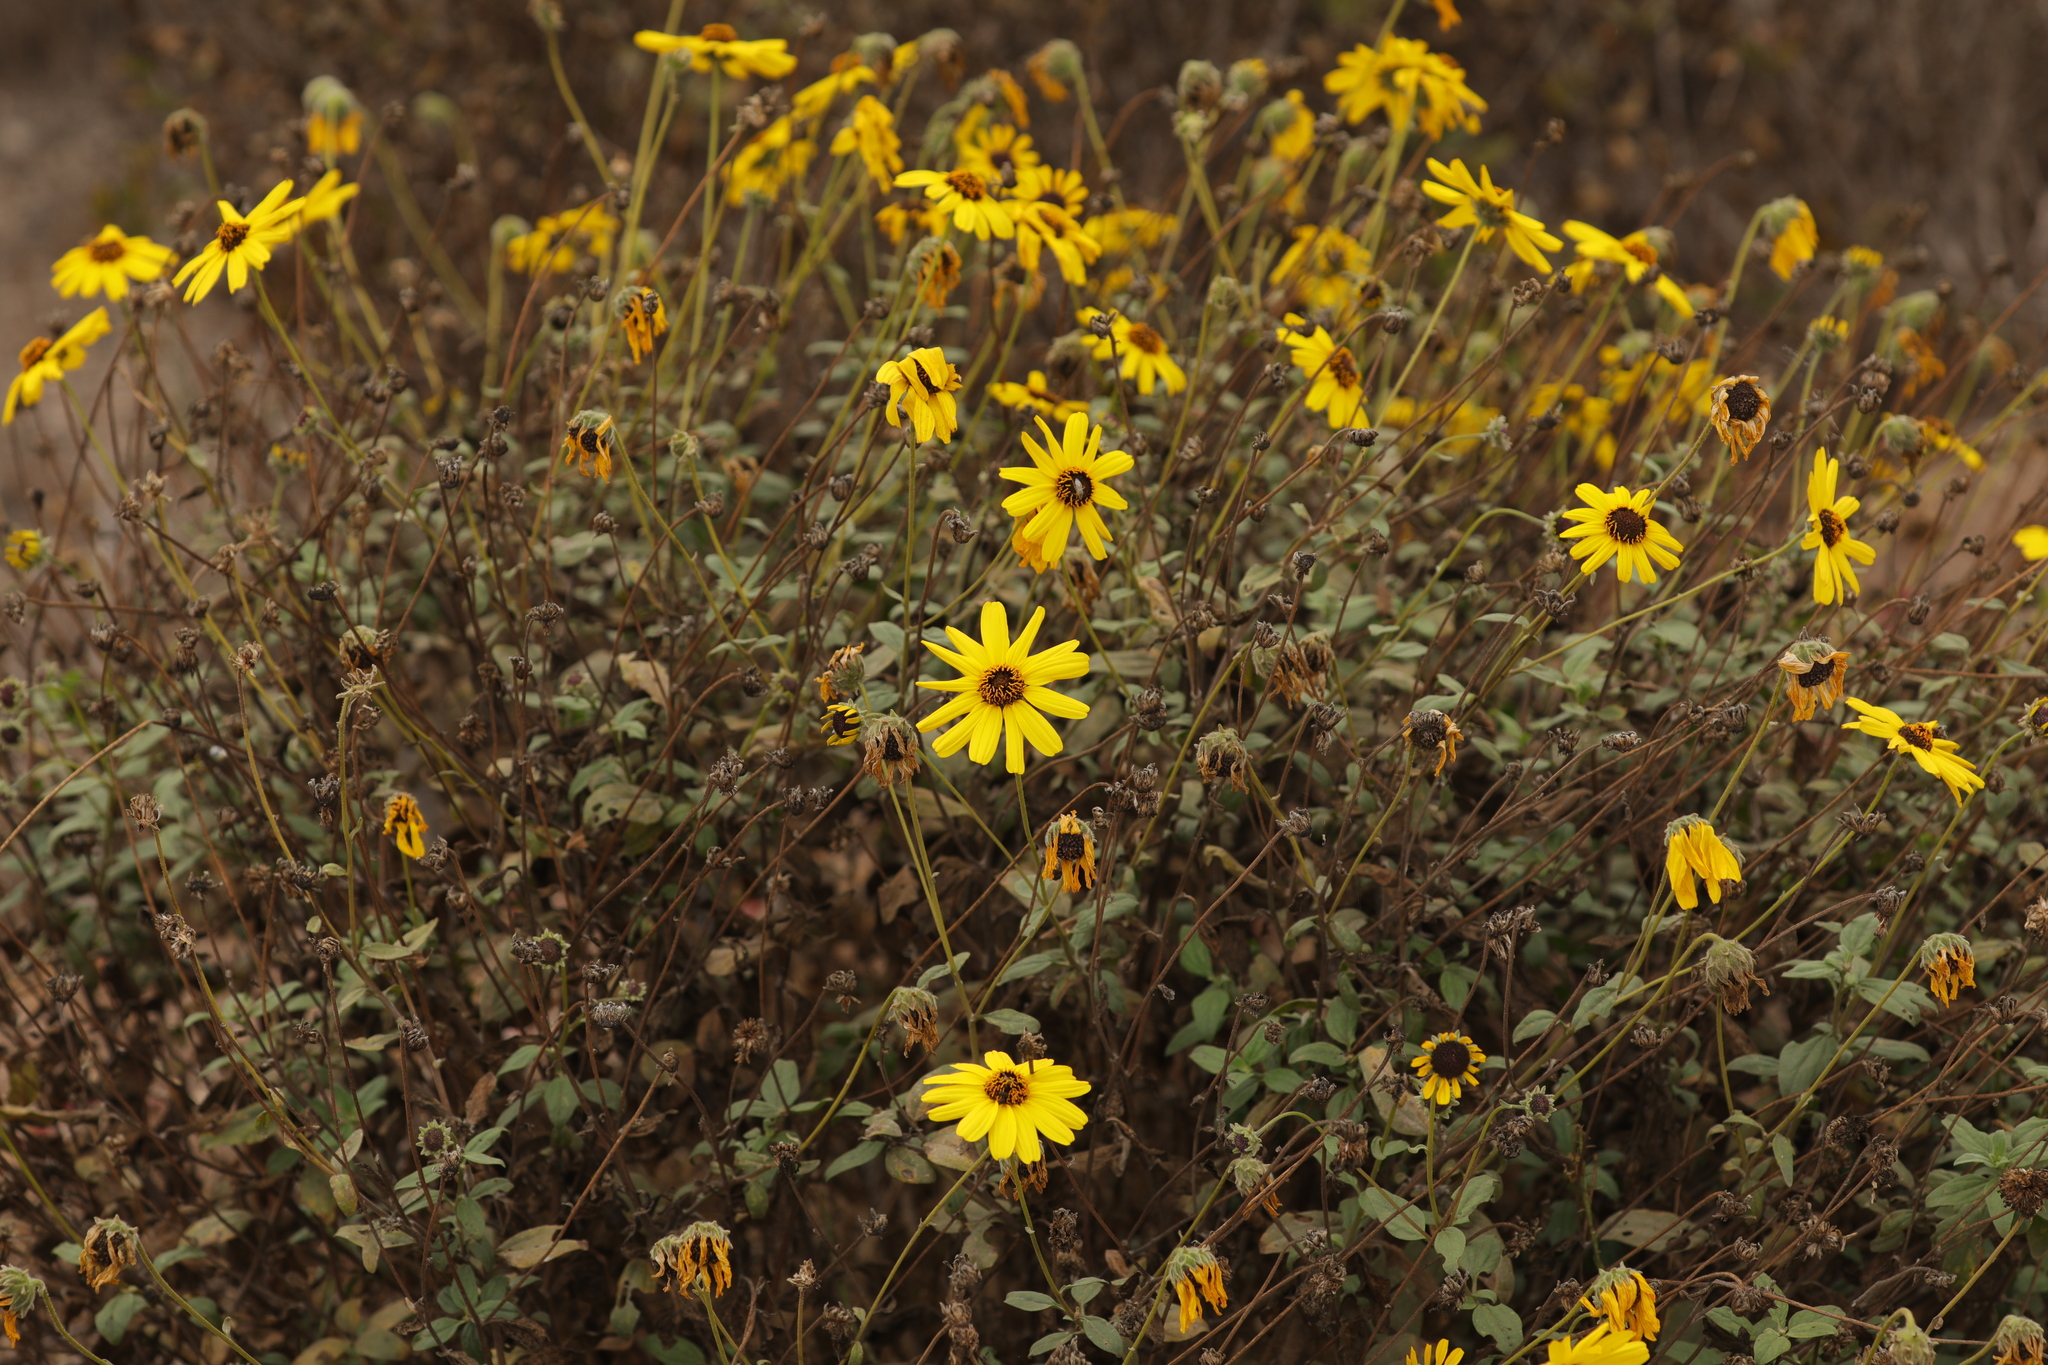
[[2017, 1341], [1621, 525], [1949, 964], [1740, 411], [1693, 850], [841, 723], [700, 1253], [772, 159], [1636, 254], [1922, 740], [44, 361], [1794, 238], [1432, 732], [326, 199], [1008, 1102], [871, 131], [1070, 854], [1816, 671], [1323, 268], [1335, 387], [19, 1294], [844, 673], [922, 383], [1601, 1346], [1065, 487], [1046, 202], [1449, 1062], [2031, 542], [1002, 690], [241, 244], [406, 825], [916, 1010], [968, 198], [24, 548], [1833, 578], [1626, 1300], [1730, 970], [1195, 1275], [587, 443], [719, 45], [1034, 394], [644, 319], [1488, 208], [106, 263], [1140, 353]]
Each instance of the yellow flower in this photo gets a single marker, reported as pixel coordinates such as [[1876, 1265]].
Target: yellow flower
[[719, 45], [1833, 578], [1432, 731], [241, 244], [1601, 1346], [1488, 208], [896, 220], [25, 548], [1323, 267], [1065, 486], [325, 199], [812, 102], [1818, 671], [1407, 80], [558, 239], [1130, 229], [406, 826], [106, 263], [334, 120], [2017, 1341], [1693, 850], [108, 1249], [1740, 411], [1140, 353], [1449, 1062], [1949, 964], [700, 1252], [1827, 333], [1053, 67], [587, 443], [939, 274], [1622, 526], [1070, 854], [1441, 1353], [966, 196], [44, 360], [2032, 541], [1626, 1300], [1940, 437], [1636, 254], [841, 724], [1796, 237], [923, 384], [1922, 740], [1925, 368], [644, 319], [1292, 126], [1002, 689], [1035, 395], [1010, 1103], [1447, 18], [872, 132], [1862, 260], [1335, 388], [1044, 203], [990, 149], [1195, 1275], [772, 159]]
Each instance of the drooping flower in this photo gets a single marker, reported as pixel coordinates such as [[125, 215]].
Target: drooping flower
[[1692, 850], [841, 724], [700, 1254], [241, 244], [1065, 486], [1488, 208], [1195, 1275], [1921, 739], [1140, 353], [644, 319], [19, 1294], [108, 1249], [1002, 690], [917, 1011], [1447, 18], [1924, 366], [326, 199], [44, 361], [1324, 267], [1034, 395], [1636, 254], [897, 220], [1434, 732], [923, 384], [1833, 578], [1626, 1300], [1449, 1062], [844, 674], [814, 101], [1794, 238], [889, 751], [719, 45], [406, 826], [967, 197], [1601, 1346], [1054, 69], [1817, 672], [1301, 670], [1070, 854], [24, 548], [1335, 387], [1949, 964], [1939, 435], [1740, 411], [939, 275], [1407, 80], [872, 132], [106, 263], [1290, 129], [1008, 1102], [772, 159], [1827, 333], [1730, 970], [1621, 525], [587, 443], [2017, 1341], [334, 120]]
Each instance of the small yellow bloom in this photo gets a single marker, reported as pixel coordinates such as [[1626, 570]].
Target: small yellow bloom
[[1008, 1102], [644, 319], [814, 101], [334, 120], [897, 220], [773, 158], [967, 197], [1817, 671], [1834, 580], [1447, 18], [1626, 1300], [1740, 410], [1035, 395], [1441, 1353], [1601, 1346], [841, 724], [700, 1253], [1449, 1062], [1044, 202], [25, 548], [1796, 236], [1140, 353], [997, 152], [1195, 1274], [1921, 739], [1324, 267], [1070, 854], [1828, 333], [1621, 526], [1949, 964], [1065, 487], [106, 263], [1408, 81], [1694, 851], [241, 244], [1335, 387], [1001, 690], [922, 383], [1488, 208], [325, 199], [2032, 541], [719, 45], [1924, 368], [939, 275], [406, 826], [872, 132], [1636, 254], [557, 240], [1940, 437], [44, 361]]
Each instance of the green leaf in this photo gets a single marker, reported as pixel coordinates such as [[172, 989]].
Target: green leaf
[[1769, 1344], [1534, 1024], [521, 1058], [1317, 1054], [1781, 1148], [1500, 1322], [1450, 1244], [112, 1320], [1800, 1063], [907, 1166], [1084, 1290], [1103, 1335], [1807, 1325], [561, 1099], [1030, 1300], [1012, 1021], [476, 1150], [523, 1250], [860, 1155]]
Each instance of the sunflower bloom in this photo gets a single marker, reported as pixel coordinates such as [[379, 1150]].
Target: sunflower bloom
[[1636, 254], [1693, 851], [700, 1254], [241, 244], [1620, 525], [967, 197], [990, 149], [872, 132], [44, 360], [1833, 578], [1438, 1353], [719, 45], [1034, 395], [1794, 236], [406, 826], [772, 159], [1195, 1275], [1070, 854], [1922, 740], [1817, 671], [922, 383], [1626, 1300], [644, 319], [1949, 964], [1488, 208], [1335, 387], [1003, 690], [1008, 1102], [1065, 486], [1140, 353], [24, 548], [1740, 410], [1407, 81], [1449, 1062], [1323, 266], [1601, 1346], [1045, 203], [106, 263]]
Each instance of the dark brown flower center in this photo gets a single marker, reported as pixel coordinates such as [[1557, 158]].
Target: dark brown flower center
[[231, 235], [1743, 402], [1832, 527], [34, 351], [1627, 525], [1145, 339], [1817, 674], [1451, 1059], [1426, 729], [1001, 686], [1642, 251], [1919, 736], [1343, 368], [842, 723], [719, 33], [922, 377], [1073, 488], [1008, 1089], [1070, 848], [968, 185], [111, 250]]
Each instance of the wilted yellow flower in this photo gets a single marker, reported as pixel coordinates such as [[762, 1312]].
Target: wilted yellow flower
[[1070, 854], [334, 121], [811, 103], [1924, 368], [644, 319], [897, 220], [939, 275], [1949, 964], [406, 825], [1922, 740], [1034, 394], [1054, 68], [106, 263], [1834, 580], [108, 1249], [1621, 525], [1008, 1102], [1940, 437], [44, 361], [1817, 671], [700, 1253], [241, 244], [1488, 208], [1001, 691], [24, 548], [719, 45], [1195, 1275], [1432, 732], [922, 383], [1449, 1062], [1740, 411], [967, 197], [1692, 850], [872, 132], [1626, 1300], [587, 443]]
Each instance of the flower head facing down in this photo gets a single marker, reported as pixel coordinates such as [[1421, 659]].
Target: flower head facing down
[[587, 443], [1949, 964], [2031, 542], [1008, 1102], [1488, 208], [968, 197], [1816, 671], [44, 361], [1636, 255], [1730, 970], [1196, 1274], [1139, 351], [1002, 690], [772, 159], [556, 242], [106, 263], [19, 1293], [1692, 850], [107, 1250], [1601, 1346], [1621, 525], [872, 133], [1070, 854], [1335, 387], [644, 319], [1449, 1062], [1626, 1300], [1432, 732], [1065, 487], [720, 46], [889, 751], [700, 1254], [1922, 740], [1794, 236], [1740, 411], [1834, 580], [844, 674], [334, 120], [2017, 1341], [1046, 202], [406, 825], [24, 548], [922, 383]]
